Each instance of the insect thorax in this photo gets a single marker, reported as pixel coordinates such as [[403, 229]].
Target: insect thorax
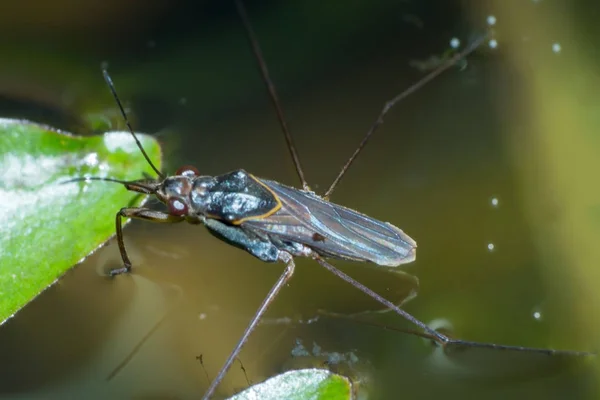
[[233, 197]]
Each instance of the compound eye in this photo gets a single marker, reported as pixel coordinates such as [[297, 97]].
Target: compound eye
[[177, 207], [187, 170]]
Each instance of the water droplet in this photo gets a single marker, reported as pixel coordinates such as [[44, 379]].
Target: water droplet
[[556, 48], [491, 246], [493, 43], [91, 160], [454, 42], [491, 20], [494, 201]]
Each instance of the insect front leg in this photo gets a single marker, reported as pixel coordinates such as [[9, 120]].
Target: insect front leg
[[138, 213]]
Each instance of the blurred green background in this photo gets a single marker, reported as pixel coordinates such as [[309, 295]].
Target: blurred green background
[[518, 124]]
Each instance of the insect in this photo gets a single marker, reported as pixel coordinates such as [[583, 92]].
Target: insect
[[275, 222]]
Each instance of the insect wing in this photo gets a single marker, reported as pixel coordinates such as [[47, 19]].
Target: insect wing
[[333, 230]]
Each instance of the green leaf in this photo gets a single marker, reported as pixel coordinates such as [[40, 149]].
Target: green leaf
[[302, 384], [47, 225]]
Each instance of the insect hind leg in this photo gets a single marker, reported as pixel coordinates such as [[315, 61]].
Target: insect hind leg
[[445, 341], [437, 336]]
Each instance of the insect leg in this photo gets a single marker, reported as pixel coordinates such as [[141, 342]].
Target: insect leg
[[283, 279], [440, 338], [272, 92], [138, 213], [445, 341], [388, 105], [260, 248]]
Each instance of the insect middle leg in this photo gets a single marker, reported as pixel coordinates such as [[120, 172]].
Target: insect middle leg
[[281, 282], [264, 250], [137, 213]]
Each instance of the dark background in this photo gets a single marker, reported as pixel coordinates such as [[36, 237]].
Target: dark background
[[187, 74]]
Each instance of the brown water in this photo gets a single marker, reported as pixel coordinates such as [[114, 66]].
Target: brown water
[[491, 131]]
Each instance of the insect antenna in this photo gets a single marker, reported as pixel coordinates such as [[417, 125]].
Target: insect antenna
[[148, 186], [96, 178], [391, 103], [124, 114], [272, 92]]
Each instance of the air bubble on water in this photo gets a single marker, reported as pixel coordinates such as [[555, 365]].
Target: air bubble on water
[[556, 48], [491, 20], [494, 202], [455, 43], [316, 350], [537, 313], [493, 43], [491, 246], [299, 350]]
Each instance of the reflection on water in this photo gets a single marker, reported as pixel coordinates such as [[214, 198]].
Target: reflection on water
[[441, 168]]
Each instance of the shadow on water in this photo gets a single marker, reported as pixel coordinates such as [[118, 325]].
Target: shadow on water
[[441, 168]]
